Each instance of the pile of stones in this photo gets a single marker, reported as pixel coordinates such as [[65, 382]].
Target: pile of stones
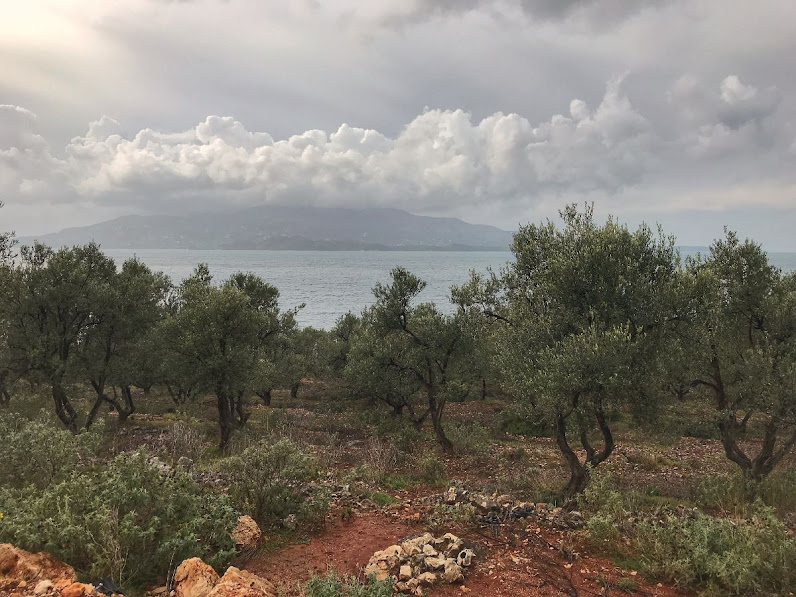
[[497, 509], [420, 562]]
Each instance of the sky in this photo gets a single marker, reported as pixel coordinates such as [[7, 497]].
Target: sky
[[678, 112]]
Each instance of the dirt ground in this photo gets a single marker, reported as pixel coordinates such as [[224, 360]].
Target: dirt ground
[[532, 567]]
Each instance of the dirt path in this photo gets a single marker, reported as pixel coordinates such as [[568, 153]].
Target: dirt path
[[531, 567]]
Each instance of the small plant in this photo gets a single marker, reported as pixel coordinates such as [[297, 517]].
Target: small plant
[[443, 516], [431, 471], [472, 439], [269, 481], [332, 585], [627, 584]]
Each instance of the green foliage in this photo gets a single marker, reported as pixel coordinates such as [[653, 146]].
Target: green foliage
[[443, 516], [269, 481], [125, 521], [404, 350], [39, 454], [735, 494], [332, 585], [740, 349], [523, 419], [726, 557], [470, 438], [431, 471], [53, 300]]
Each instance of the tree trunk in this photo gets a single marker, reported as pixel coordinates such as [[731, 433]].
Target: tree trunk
[[240, 409], [63, 408], [265, 396], [294, 389], [129, 405], [435, 410], [483, 389], [578, 474], [224, 420]]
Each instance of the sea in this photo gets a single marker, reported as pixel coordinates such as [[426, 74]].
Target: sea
[[331, 283]]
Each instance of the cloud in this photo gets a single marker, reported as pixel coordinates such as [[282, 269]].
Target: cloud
[[734, 118], [441, 158], [590, 12]]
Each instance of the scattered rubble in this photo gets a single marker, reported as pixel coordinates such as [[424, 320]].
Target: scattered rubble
[[421, 562], [496, 509]]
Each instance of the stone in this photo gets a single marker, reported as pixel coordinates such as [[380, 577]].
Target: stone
[[246, 535], [435, 563], [44, 587], [290, 522], [242, 583], [465, 557], [78, 589], [20, 565], [184, 463], [428, 578], [453, 572], [194, 578], [158, 591], [414, 546], [428, 550], [405, 572]]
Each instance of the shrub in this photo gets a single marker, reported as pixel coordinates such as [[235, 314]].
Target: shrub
[[736, 494], [723, 556], [269, 481], [522, 419], [471, 438], [40, 453], [331, 585], [431, 471], [125, 521]]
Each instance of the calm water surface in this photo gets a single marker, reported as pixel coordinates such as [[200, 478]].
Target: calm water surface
[[330, 283], [334, 282]]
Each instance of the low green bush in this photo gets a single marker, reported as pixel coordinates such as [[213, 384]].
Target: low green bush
[[735, 494], [742, 555], [332, 585], [472, 439], [270, 481], [722, 556], [522, 419], [431, 471], [126, 521], [40, 452]]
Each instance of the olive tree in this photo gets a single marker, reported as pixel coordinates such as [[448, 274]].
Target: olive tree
[[53, 300], [111, 350], [410, 349], [216, 337], [585, 311], [742, 351]]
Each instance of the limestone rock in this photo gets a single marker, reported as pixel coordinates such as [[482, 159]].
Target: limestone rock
[[246, 535], [20, 565], [405, 572], [194, 578], [453, 572], [242, 583], [78, 589], [465, 557]]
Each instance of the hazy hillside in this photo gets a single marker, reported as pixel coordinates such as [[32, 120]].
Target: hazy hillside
[[277, 227]]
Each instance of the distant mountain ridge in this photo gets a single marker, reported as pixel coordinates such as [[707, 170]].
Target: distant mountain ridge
[[285, 227]]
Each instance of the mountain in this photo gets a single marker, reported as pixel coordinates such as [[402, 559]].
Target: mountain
[[283, 227]]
